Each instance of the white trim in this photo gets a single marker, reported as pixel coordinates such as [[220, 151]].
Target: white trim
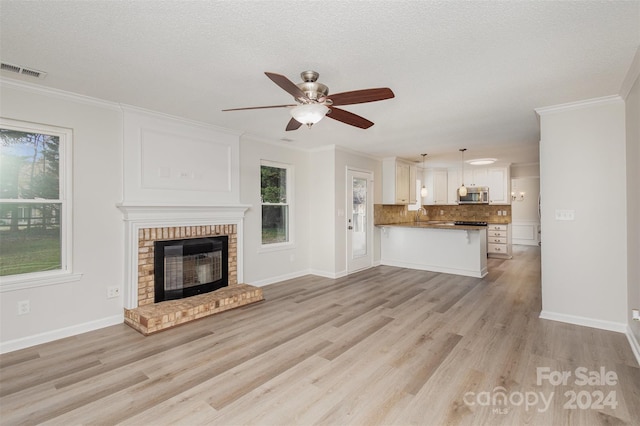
[[39, 279], [60, 94], [330, 275], [279, 278], [61, 333], [632, 75], [368, 175], [291, 241], [138, 216], [633, 342], [584, 321], [177, 120], [65, 199], [578, 105]]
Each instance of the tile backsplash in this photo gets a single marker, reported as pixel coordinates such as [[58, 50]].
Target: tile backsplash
[[386, 214]]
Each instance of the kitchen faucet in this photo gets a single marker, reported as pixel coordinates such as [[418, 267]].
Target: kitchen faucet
[[419, 212]]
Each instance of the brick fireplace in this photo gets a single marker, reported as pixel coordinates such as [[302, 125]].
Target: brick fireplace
[[147, 224]]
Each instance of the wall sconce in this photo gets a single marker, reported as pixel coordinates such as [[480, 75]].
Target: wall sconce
[[519, 197]]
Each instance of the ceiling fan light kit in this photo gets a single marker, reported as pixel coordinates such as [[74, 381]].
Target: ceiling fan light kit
[[309, 114], [313, 101]]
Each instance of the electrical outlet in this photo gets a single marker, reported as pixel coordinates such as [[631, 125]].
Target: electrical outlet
[[504, 212], [112, 292], [635, 314], [24, 307], [499, 212]]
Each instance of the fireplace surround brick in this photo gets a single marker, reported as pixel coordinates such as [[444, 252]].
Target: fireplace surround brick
[[150, 317]]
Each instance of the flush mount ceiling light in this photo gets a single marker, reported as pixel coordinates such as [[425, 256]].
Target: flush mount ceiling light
[[423, 191], [463, 189], [309, 114], [482, 161]]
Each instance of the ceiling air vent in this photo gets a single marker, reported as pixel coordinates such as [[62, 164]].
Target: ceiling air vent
[[21, 70]]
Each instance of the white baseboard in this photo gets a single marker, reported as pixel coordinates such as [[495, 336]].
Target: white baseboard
[[585, 322], [633, 342], [331, 275], [272, 280], [61, 333]]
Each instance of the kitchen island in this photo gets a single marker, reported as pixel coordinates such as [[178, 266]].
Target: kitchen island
[[435, 246]]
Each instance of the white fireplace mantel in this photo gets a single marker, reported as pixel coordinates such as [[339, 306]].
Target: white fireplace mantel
[[149, 215]]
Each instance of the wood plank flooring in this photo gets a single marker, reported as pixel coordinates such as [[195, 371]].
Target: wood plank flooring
[[386, 346]]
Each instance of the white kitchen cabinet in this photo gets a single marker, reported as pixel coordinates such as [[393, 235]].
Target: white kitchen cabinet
[[398, 181], [436, 183], [453, 183], [498, 183], [499, 240], [496, 178], [475, 176]]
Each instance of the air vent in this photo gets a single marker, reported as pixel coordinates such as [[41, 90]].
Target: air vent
[[21, 70]]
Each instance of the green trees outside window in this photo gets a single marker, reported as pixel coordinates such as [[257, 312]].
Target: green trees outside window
[[275, 204], [30, 202]]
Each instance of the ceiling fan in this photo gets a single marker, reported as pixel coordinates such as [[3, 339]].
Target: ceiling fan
[[313, 101]]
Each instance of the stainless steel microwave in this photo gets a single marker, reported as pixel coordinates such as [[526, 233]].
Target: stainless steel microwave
[[475, 195]]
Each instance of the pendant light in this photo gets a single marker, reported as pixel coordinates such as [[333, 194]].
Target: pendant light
[[423, 191], [462, 191]]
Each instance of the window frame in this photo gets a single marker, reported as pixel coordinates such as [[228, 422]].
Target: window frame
[[65, 182], [290, 204]]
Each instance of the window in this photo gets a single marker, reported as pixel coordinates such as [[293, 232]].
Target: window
[[35, 202], [275, 194]]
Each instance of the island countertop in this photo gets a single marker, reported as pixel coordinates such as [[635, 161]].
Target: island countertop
[[435, 224]]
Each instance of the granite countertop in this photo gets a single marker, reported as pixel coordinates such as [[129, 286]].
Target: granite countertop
[[434, 224]]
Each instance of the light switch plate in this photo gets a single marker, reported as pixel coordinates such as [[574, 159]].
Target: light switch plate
[[565, 214]]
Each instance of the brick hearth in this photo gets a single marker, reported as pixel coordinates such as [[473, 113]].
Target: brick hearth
[[150, 317], [156, 317]]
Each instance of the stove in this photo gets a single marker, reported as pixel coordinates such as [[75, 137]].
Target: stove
[[469, 223]]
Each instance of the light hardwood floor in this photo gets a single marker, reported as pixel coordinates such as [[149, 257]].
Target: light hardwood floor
[[383, 346]]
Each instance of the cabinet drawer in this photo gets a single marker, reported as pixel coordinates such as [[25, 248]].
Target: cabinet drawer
[[496, 248], [500, 234], [497, 240], [496, 227]]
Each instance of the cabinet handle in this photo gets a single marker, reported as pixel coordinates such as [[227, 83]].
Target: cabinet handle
[[497, 248]]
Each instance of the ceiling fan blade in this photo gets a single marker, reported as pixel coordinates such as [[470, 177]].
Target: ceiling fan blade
[[287, 85], [361, 96], [349, 118], [260, 107], [293, 125]]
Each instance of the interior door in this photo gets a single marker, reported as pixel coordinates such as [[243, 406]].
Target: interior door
[[359, 220]]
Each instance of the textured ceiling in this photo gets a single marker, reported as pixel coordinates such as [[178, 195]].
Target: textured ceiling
[[465, 74]]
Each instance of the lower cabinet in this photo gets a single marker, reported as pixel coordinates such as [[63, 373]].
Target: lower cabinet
[[499, 240]]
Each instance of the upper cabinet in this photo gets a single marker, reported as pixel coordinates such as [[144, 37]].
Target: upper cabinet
[[498, 183], [398, 181], [436, 184], [496, 178]]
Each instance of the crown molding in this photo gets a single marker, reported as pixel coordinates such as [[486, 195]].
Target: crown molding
[[56, 93], [632, 75], [578, 105]]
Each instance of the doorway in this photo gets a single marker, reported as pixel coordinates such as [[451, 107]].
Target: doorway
[[359, 220]]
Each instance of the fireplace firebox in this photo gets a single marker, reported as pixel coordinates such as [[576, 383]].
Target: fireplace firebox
[[184, 268]]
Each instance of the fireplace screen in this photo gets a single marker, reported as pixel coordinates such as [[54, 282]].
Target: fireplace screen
[[187, 267]]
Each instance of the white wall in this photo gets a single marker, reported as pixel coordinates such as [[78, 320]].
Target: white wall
[[525, 224], [322, 212], [633, 201], [582, 168], [70, 308], [264, 267]]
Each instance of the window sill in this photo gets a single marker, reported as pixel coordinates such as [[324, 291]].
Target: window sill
[[276, 247], [25, 281]]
